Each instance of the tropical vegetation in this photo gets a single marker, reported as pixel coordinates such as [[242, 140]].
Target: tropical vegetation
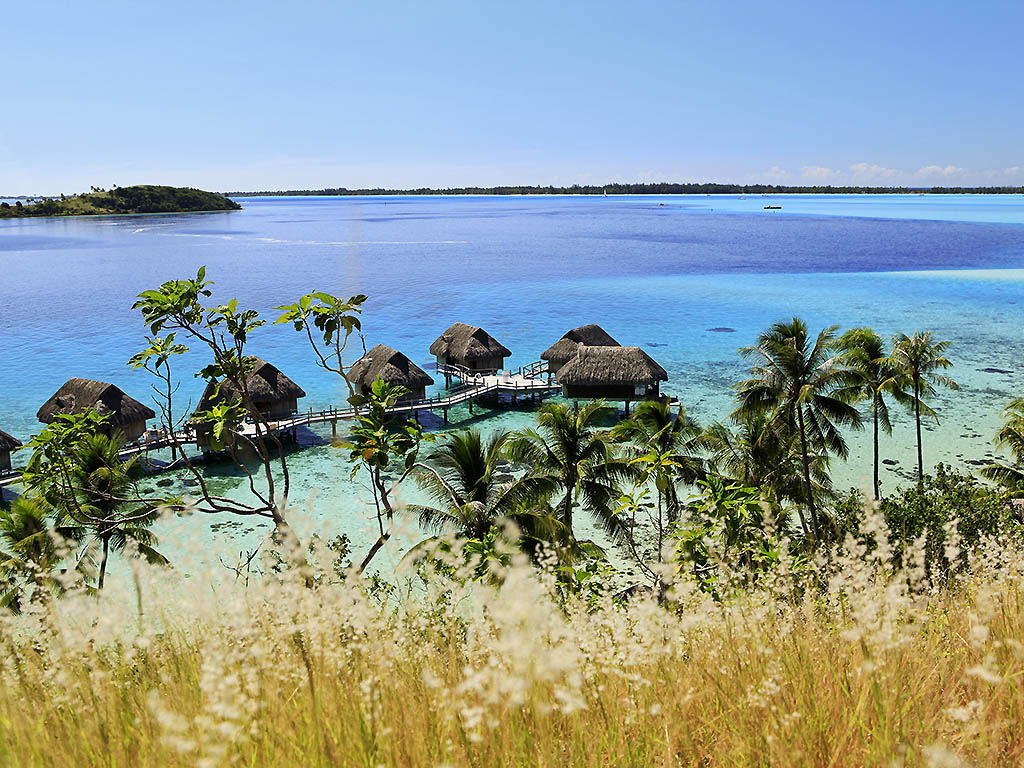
[[140, 198], [776, 618]]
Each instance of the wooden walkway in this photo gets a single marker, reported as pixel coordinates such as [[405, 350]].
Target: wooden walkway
[[530, 380]]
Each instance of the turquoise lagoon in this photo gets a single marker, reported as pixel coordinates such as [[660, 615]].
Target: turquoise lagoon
[[659, 272]]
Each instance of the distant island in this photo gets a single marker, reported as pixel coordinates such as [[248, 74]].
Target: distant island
[[141, 198], [649, 189]]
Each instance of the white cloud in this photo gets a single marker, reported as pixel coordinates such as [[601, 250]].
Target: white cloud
[[776, 174], [939, 171], [863, 172], [1014, 170], [818, 173]]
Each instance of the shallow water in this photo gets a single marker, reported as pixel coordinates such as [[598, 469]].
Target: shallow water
[[659, 272]]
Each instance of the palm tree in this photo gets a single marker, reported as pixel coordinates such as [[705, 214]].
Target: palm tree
[[570, 460], [462, 477], [32, 550], [667, 444], [102, 485], [916, 360], [797, 380], [1011, 436], [757, 454], [875, 377]]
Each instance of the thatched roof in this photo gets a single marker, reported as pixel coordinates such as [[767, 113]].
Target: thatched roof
[[388, 364], [81, 395], [8, 442], [564, 349], [611, 365], [266, 385], [468, 342]]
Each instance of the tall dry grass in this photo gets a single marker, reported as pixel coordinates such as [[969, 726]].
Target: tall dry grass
[[872, 668]]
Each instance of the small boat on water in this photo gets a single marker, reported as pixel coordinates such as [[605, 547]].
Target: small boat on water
[[773, 207]]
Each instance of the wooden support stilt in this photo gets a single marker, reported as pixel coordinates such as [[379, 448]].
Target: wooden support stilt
[[445, 412], [334, 428]]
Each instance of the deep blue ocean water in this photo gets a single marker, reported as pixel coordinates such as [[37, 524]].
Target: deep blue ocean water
[[659, 272]]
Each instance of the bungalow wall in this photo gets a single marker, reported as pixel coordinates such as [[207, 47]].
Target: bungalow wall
[[5, 461], [484, 364], [611, 391], [279, 409], [133, 430]]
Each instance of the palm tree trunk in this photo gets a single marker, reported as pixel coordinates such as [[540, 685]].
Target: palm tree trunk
[[917, 419], [567, 512], [876, 449], [807, 476], [103, 562]]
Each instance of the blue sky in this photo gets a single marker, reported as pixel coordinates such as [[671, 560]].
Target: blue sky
[[270, 95]]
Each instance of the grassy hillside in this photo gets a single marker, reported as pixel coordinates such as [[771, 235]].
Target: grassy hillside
[[142, 198]]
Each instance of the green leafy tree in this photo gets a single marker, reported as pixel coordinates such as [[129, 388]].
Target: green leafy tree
[[1011, 437], [755, 453], [35, 553], [381, 442], [107, 503], [673, 442], [180, 307], [797, 380], [570, 460], [727, 529], [75, 469], [867, 357], [917, 360], [328, 322], [948, 501], [156, 359], [461, 476], [664, 448]]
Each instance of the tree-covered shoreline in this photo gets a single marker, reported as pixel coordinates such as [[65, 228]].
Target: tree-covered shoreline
[[141, 198], [660, 188]]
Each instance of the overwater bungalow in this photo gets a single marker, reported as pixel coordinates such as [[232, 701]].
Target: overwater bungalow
[[563, 350], [7, 444], [125, 414], [612, 373], [469, 346], [393, 367], [275, 395]]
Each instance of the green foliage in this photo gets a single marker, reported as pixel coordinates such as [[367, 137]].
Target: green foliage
[[949, 506], [916, 361], [728, 524], [142, 198], [799, 382], [333, 318], [570, 460], [461, 477], [176, 301], [378, 439], [1011, 437], [875, 376], [36, 559], [75, 470]]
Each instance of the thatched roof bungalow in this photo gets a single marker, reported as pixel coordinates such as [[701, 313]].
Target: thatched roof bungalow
[[383, 362], [564, 350], [471, 347], [7, 444], [613, 373], [125, 414], [274, 394]]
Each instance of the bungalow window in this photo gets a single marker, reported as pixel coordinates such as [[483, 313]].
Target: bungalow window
[[640, 389]]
